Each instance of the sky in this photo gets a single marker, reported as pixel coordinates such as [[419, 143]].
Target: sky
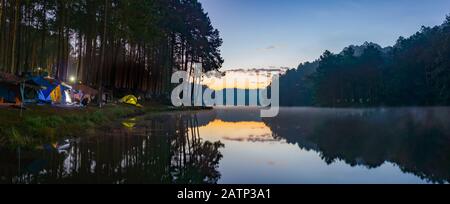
[[285, 33]]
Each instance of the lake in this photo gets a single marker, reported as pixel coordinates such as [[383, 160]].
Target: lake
[[236, 146]]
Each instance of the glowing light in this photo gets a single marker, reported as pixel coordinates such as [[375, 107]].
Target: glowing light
[[72, 79]]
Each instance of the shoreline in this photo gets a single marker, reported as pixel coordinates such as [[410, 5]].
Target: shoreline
[[43, 124]]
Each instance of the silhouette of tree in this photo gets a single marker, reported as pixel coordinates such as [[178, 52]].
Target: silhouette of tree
[[415, 71]]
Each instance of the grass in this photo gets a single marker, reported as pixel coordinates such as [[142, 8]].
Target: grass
[[43, 124]]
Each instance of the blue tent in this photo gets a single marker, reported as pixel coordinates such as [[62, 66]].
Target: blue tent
[[47, 88], [41, 81], [9, 87], [49, 85], [42, 97], [9, 92]]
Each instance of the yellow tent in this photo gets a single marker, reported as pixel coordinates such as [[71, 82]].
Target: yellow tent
[[56, 94], [130, 100]]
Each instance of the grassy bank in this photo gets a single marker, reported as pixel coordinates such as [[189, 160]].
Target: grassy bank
[[43, 124]]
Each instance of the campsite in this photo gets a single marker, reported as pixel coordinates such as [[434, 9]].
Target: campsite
[[56, 70], [39, 109], [21, 91]]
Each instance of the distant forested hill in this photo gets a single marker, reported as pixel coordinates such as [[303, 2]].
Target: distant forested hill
[[415, 71]]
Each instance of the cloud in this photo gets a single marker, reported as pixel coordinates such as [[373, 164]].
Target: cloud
[[216, 74], [257, 70], [268, 48], [271, 47]]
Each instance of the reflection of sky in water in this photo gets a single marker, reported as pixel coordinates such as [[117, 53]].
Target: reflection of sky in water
[[301, 145], [252, 155]]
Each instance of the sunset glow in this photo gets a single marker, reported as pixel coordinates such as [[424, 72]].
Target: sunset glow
[[242, 79]]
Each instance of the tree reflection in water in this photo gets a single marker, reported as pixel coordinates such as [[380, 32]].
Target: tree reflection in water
[[165, 149], [417, 140]]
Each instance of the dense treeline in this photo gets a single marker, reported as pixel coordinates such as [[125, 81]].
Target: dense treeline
[[415, 71], [132, 45]]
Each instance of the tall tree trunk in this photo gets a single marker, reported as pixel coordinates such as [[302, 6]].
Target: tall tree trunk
[[66, 46], [2, 29], [28, 42], [42, 62], [18, 45], [102, 60], [14, 35], [79, 71], [58, 55]]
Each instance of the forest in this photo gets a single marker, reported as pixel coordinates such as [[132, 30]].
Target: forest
[[108, 44], [413, 72]]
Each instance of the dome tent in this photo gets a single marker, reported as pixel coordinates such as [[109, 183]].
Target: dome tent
[[52, 90], [130, 100]]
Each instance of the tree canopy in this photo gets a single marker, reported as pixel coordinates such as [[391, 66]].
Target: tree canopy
[[415, 71]]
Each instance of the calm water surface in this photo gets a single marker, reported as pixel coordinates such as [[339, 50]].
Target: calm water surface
[[234, 145]]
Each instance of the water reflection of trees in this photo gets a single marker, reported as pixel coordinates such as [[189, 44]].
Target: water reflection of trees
[[165, 149], [194, 161], [418, 141]]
